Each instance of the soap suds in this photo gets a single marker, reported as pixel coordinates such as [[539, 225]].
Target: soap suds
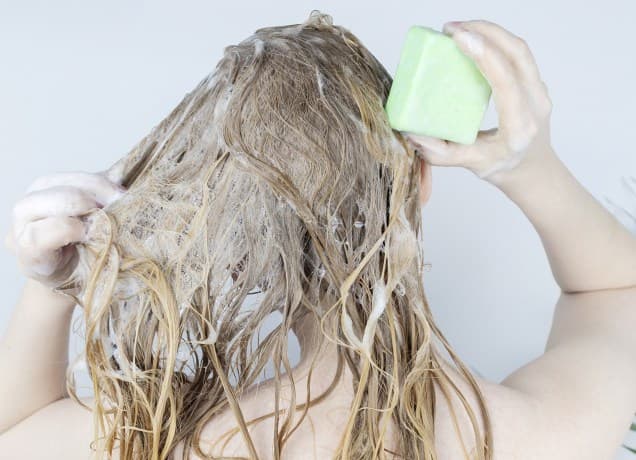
[[250, 145], [504, 165], [211, 80], [259, 46], [379, 305], [279, 43], [347, 329], [293, 30], [358, 122], [321, 82], [210, 339], [223, 102]]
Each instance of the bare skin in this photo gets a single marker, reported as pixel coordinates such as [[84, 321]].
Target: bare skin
[[575, 401]]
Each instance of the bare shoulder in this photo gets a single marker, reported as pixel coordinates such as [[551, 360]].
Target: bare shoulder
[[584, 381], [574, 401], [62, 429], [315, 437], [577, 399], [513, 416]]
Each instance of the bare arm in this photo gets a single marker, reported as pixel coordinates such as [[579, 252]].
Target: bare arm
[[34, 350], [33, 353], [585, 382], [578, 398], [588, 248], [60, 430]]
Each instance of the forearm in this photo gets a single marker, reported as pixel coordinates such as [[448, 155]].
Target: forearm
[[587, 247], [34, 353]]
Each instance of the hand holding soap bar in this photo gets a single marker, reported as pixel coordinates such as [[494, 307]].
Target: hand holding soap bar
[[437, 91]]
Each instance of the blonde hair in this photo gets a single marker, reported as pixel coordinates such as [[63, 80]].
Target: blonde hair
[[278, 173]]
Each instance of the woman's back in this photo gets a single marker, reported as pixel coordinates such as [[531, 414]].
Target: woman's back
[[553, 408]]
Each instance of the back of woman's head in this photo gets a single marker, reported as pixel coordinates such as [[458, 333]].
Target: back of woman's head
[[278, 177]]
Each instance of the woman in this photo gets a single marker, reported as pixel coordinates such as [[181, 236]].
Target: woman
[[279, 177]]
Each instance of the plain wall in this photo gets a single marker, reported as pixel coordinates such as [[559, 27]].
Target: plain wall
[[82, 82]]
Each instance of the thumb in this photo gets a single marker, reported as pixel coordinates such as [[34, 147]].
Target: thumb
[[438, 152]]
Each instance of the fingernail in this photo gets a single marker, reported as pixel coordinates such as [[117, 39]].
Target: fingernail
[[474, 43], [452, 27]]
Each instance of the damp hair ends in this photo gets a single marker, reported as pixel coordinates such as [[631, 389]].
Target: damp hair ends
[[279, 175]]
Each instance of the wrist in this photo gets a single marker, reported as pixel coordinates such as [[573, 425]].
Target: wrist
[[537, 166], [45, 295]]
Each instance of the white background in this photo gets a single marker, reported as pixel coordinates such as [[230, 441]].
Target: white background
[[82, 82]]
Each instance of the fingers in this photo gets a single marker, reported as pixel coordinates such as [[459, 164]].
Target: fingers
[[440, 152], [513, 46], [96, 186], [516, 51], [436, 151], [50, 234], [43, 247], [523, 106], [63, 201], [507, 92]]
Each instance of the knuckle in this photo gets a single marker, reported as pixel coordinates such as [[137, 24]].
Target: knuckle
[[28, 239], [481, 23], [525, 54], [546, 106], [70, 229], [544, 102], [520, 133], [527, 126], [64, 227], [76, 202], [520, 44]]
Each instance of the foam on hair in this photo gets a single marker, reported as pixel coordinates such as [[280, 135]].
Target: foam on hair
[[277, 176]]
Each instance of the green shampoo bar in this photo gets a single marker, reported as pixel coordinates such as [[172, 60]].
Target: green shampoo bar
[[437, 91]]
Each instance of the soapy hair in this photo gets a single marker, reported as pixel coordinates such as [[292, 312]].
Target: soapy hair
[[277, 176]]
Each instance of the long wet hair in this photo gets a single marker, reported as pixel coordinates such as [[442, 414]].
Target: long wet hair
[[278, 176]]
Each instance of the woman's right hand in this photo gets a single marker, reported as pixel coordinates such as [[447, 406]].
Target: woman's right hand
[[47, 222], [521, 99]]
